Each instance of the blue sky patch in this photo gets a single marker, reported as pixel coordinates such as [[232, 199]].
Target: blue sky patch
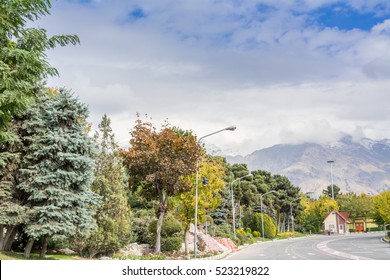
[[344, 17], [135, 14], [81, 1]]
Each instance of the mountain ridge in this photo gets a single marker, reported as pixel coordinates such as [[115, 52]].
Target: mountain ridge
[[359, 166]]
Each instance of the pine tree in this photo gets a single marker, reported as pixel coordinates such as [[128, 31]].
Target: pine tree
[[113, 215], [58, 170]]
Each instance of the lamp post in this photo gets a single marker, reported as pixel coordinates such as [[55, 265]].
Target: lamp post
[[231, 128], [233, 209], [261, 210], [331, 175], [292, 217]]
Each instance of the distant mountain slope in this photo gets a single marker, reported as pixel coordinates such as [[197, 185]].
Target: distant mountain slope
[[359, 167]]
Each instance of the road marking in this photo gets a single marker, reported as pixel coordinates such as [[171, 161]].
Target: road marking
[[322, 246]]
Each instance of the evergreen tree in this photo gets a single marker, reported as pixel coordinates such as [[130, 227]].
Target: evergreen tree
[[113, 215], [58, 170]]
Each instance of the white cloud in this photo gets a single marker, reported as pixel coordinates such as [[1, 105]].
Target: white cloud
[[205, 65]]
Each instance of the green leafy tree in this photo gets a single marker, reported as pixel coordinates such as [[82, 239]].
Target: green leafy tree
[[58, 170], [328, 191], [23, 61], [382, 207], [13, 211], [286, 193], [157, 160], [113, 215], [209, 194]]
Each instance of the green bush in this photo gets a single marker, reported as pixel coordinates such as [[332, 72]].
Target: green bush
[[171, 238], [141, 222], [244, 236], [222, 231], [374, 229], [253, 220], [170, 226], [170, 244], [241, 236], [256, 233]]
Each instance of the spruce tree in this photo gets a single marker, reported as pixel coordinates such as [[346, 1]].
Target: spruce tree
[[113, 215], [58, 170]]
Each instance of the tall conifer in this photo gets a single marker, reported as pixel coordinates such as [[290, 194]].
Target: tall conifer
[[58, 170], [113, 215]]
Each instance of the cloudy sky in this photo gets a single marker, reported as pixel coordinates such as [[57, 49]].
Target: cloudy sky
[[282, 71]]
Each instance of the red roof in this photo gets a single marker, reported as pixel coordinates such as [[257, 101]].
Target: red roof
[[342, 215]]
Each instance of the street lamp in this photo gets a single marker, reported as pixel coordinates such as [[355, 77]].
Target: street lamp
[[292, 217], [233, 210], [231, 128], [331, 175], [261, 210]]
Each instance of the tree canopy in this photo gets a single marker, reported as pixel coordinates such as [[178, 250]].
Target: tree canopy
[[157, 160], [23, 61]]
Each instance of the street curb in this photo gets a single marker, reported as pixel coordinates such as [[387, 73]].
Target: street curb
[[216, 257]]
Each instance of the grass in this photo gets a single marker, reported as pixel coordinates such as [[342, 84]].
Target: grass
[[33, 256]]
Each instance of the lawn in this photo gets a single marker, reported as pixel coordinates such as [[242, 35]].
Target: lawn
[[19, 256]]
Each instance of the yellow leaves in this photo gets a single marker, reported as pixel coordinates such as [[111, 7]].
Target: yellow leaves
[[53, 91], [208, 194]]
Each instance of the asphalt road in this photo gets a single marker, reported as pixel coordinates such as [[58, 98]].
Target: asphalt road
[[351, 247]]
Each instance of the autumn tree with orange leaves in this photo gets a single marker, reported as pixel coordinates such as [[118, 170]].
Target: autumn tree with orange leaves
[[157, 161]]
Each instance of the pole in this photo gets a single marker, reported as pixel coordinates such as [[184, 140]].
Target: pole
[[196, 206], [331, 176], [292, 217], [262, 219], [197, 185], [233, 211], [233, 208], [261, 210]]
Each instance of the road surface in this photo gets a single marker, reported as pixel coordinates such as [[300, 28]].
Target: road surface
[[364, 246]]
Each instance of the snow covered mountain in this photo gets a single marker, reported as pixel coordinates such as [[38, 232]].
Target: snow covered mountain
[[361, 167]]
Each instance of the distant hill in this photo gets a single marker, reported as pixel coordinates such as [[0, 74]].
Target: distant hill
[[360, 167]]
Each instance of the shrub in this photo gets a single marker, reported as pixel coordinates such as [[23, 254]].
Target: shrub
[[170, 244], [141, 222], [222, 231], [254, 222], [256, 233], [170, 226], [286, 234], [171, 238]]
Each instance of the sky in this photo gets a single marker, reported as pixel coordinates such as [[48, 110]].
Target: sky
[[281, 71]]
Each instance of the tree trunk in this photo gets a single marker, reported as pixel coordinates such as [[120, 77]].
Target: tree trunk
[[9, 238], [158, 232], [1, 236], [44, 247], [186, 237], [27, 249]]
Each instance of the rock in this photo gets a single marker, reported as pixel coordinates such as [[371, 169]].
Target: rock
[[105, 258], [66, 251], [135, 249]]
